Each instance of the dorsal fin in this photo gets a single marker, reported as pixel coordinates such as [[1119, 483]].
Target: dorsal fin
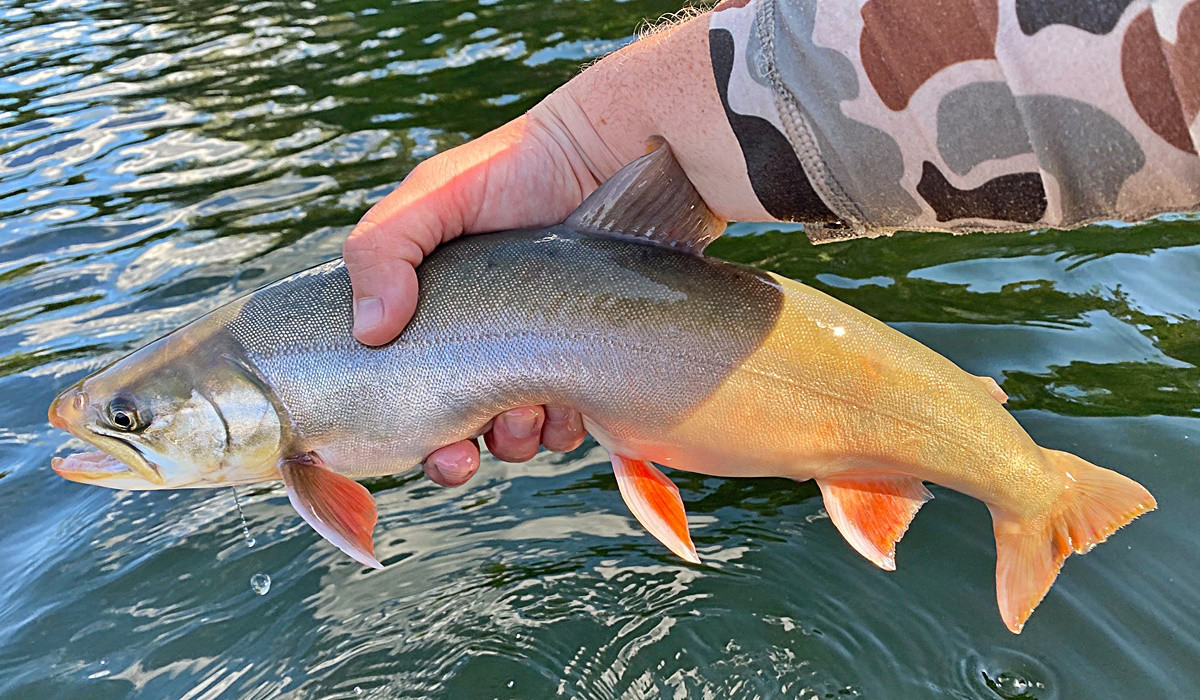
[[652, 200]]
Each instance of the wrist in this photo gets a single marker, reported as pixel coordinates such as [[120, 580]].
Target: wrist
[[561, 127], [660, 86]]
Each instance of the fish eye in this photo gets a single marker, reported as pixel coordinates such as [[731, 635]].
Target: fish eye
[[123, 415]]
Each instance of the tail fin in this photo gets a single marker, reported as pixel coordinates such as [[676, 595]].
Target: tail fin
[[1030, 551]]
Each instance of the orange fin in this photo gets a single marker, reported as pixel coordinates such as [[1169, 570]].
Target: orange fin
[[1030, 551], [872, 511], [656, 504], [993, 388], [340, 509]]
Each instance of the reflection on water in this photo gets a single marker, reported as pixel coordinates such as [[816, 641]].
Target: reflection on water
[[159, 159]]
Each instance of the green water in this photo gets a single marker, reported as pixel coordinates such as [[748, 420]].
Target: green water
[[157, 159]]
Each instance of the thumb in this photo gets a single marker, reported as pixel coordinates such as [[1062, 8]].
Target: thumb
[[504, 179], [384, 249], [384, 282]]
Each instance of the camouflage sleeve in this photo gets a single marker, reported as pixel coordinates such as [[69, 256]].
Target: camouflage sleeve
[[861, 118]]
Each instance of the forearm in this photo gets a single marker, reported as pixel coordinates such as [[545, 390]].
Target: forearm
[[866, 120]]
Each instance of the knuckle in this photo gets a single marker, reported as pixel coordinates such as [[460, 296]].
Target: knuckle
[[365, 251], [420, 171], [362, 244]]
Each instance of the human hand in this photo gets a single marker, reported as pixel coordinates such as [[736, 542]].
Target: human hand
[[526, 173], [534, 171]]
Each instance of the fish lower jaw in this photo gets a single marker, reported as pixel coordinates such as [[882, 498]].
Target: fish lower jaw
[[89, 467]]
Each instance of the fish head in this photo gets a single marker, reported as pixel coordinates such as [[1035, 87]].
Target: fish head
[[182, 412]]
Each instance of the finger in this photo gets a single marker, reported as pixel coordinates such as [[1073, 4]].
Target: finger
[[453, 465], [563, 430], [516, 434], [383, 274]]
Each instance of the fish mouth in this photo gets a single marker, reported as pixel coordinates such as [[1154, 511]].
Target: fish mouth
[[119, 458], [116, 458], [86, 467]]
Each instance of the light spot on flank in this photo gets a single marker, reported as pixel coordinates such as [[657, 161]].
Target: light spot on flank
[[839, 331]]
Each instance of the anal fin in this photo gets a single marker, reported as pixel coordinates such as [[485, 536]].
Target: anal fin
[[872, 511], [340, 509], [656, 504]]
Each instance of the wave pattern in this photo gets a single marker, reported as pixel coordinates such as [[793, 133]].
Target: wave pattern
[[157, 159]]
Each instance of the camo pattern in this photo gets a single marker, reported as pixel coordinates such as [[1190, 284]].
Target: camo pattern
[[962, 115]]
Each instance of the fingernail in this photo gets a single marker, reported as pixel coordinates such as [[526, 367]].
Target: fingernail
[[565, 416], [368, 313], [458, 469], [520, 423]]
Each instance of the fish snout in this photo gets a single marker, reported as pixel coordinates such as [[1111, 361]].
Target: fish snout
[[67, 409]]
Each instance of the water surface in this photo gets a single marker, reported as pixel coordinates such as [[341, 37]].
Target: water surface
[[158, 159]]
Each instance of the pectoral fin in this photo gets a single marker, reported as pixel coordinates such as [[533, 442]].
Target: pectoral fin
[[872, 511], [656, 504], [338, 508]]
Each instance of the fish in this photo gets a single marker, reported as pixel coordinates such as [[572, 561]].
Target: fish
[[674, 359]]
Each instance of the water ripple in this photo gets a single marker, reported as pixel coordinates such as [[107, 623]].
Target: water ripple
[[157, 159]]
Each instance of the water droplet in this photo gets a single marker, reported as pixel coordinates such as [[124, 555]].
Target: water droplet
[[357, 690], [260, 583], [245, 530], [1012, 674]]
